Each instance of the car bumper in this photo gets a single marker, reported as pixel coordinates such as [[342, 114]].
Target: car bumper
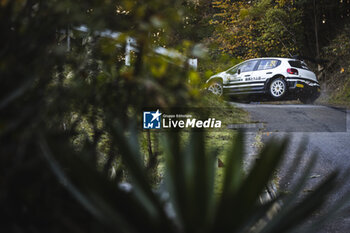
[[301, 87]]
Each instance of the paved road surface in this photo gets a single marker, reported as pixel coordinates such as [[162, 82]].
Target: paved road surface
[[327, 132]]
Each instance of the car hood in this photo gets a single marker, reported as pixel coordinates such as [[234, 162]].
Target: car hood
[[218, 75]]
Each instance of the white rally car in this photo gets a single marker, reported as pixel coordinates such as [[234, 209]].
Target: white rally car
[[280, 78]]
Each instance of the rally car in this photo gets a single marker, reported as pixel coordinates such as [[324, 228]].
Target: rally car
[[279, 78]]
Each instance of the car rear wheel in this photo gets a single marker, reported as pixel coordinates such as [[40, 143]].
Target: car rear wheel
[[216, 88], [278, 88]]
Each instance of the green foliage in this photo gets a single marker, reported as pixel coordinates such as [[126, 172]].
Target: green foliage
[[194, 26], [74, 98], [336, 72], [215, 62], [189, 180], [66, 115], [218, 108], [213, 107], [247, 29], [257, 29], [327, 18]]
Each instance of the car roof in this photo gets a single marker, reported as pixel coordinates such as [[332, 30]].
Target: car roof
[[263, 58], [280, 58]]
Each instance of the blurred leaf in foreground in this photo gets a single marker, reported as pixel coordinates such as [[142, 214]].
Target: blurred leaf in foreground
[[193, 206]]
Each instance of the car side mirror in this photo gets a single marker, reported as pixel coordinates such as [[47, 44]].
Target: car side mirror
[[238, 71]]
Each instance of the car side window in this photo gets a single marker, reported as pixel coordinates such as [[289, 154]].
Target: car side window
[[232, 70], [248, 66], [298, 64], [268, 64]]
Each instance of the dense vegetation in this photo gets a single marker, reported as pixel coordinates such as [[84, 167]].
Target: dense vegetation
[[70, 114], [316, 30], [238, 30]]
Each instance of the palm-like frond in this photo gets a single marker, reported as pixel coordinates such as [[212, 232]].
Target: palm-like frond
[[189, 179]]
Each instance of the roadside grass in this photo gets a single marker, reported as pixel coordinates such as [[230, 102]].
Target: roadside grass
[[216, 139], [224, 111], [150, 144], [222, 139], [341, 96], [336, 74]]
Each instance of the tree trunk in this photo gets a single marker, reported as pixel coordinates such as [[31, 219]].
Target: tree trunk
[[316, 34]]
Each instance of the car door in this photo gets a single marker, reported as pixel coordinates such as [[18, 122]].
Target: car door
[[232, 75], [245, 71], [236, 76]]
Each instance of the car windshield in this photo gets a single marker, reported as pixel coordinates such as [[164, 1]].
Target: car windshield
[[233, 70], [298, 64]]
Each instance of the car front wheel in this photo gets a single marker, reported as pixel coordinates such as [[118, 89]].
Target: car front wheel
[[216, 88], [278, 88]]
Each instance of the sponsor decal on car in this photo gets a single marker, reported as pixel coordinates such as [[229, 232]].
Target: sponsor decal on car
[[253, 79]]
